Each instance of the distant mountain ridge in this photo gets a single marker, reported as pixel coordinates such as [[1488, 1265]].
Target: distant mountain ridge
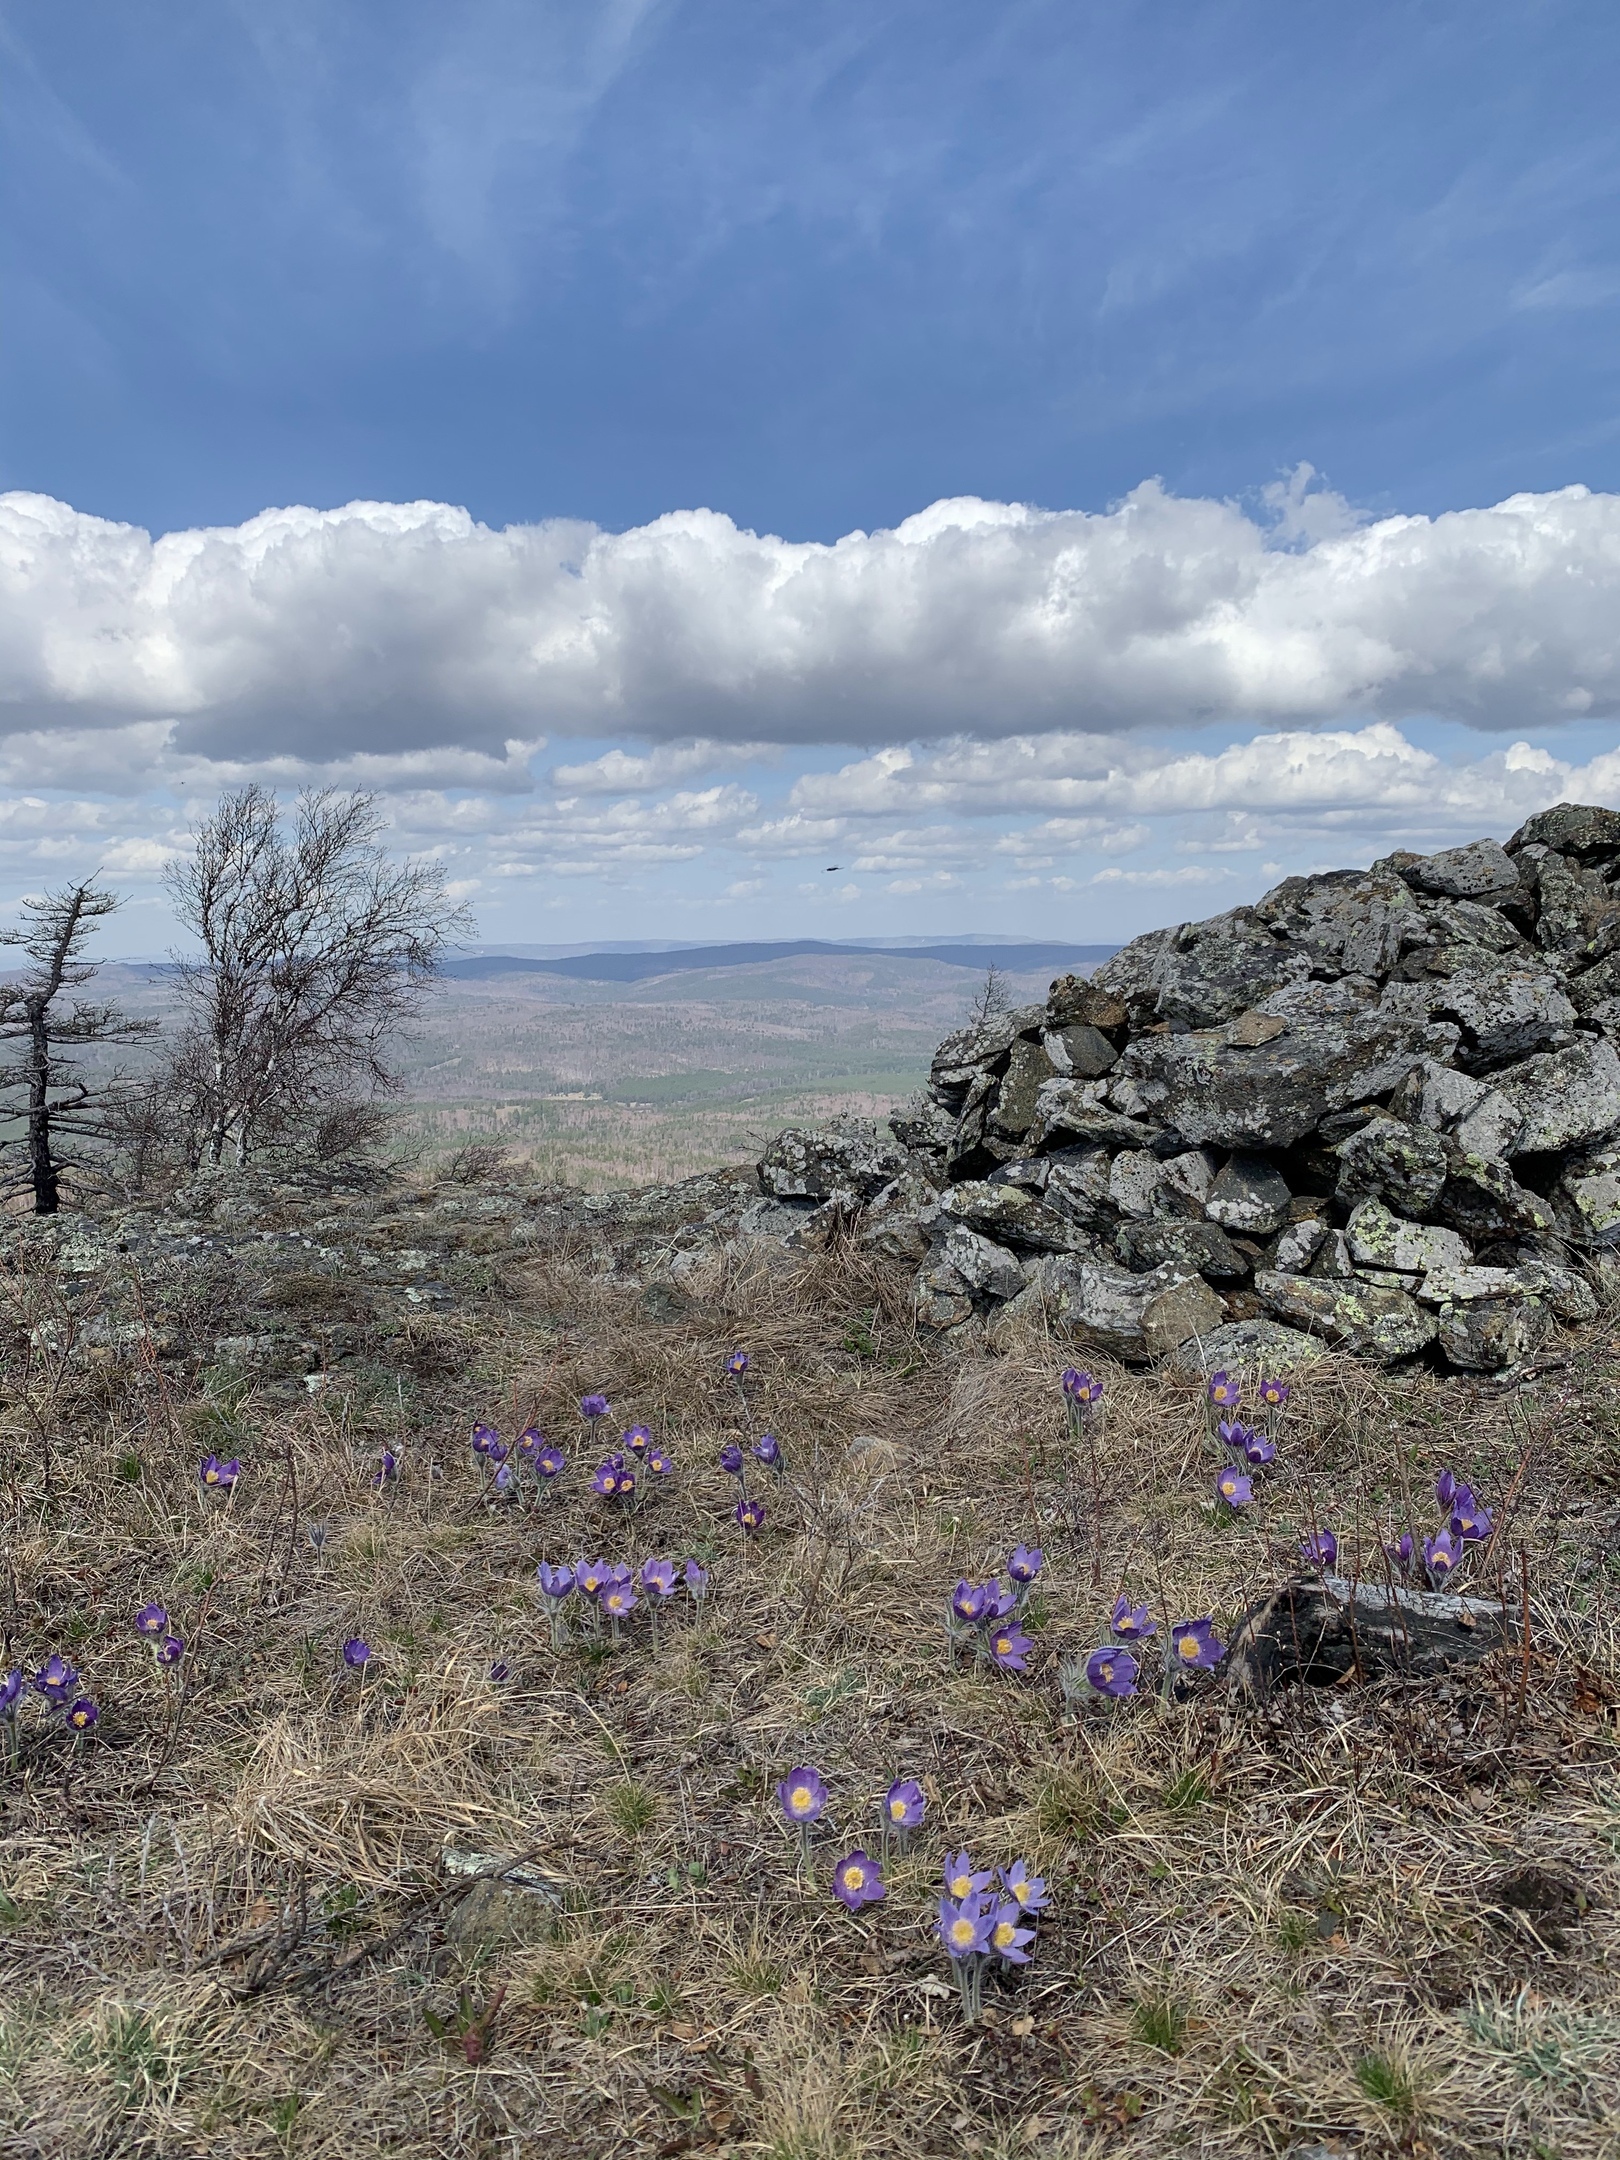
[[622, 966]]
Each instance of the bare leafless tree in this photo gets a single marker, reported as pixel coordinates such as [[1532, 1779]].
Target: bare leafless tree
[[991, 998], [54, 1100], [317, 948]]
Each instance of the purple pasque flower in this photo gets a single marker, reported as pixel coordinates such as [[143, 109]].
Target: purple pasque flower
[[731, 1459], [802, 1794], [658, 1576], [751, 1515], [57, 1681], [1131, 1623], [1007, 1938], [1025, 1564], [697, 1579], [504, 1484], [151, 1620], [1112, 1672], [858, 1881], [556, 1583], [659, 1461], [387, 1471], [1223, 1391], [613, 1479], [594, 1406], [550, 1461], [83, 1713], [499, 1673], [1274, 1393], [1009, 1648], [1445, 1489], [638, 1439], [1260, 1450], [904, 1804], [170, 1650], [357, 1653], [998, 1603], [1236, 1491], [590, 1575], [1195, 1643], [1469, 1520], [485, 1438], [1402, 1552], [1321, 1549], [1235, 1433], [497, 1451], [1080, 1387], [962, 1878], [1027, 1891], [217, 1476], [528, 1444], [965, 1925], [1441, 1554], [11, 1686], [768, 1450], [617, 1599], [967, 1601], [737, 1364]]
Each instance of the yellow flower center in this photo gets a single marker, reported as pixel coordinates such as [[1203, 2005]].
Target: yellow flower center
[[961, 1885], [802, 1798], [897, 1811], [1020, 1891], [854, 1877], [962, 1931], [1105, 1672], [1188, 1647], [1003, 1644], [1004, 1935]]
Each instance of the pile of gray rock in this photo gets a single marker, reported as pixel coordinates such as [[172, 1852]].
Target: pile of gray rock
[[1379, 1110]]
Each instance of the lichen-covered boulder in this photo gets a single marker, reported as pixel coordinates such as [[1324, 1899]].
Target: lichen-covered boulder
[[1548, 1103], [1381, 1239], [1384, 1324], [1389, 1160], [1493, 1334], [1352, 922], [1201, 1245], [1133, 1316], [1263, 1348], [1200, 973], [1474, 872], [1505, 1012], [824, 1164], [1583, 831], [1249, 1195]]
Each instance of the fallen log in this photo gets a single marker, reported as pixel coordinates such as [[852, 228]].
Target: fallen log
[[1323, 1631]]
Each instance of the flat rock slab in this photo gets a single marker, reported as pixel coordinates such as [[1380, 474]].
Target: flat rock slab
[[1323, 1632], [1384, 1324], [1258, 1346]]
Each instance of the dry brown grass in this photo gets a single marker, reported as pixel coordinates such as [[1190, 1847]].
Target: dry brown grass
[[1270, 1926]]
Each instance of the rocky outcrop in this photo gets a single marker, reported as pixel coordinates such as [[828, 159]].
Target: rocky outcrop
[[1378, 1111]]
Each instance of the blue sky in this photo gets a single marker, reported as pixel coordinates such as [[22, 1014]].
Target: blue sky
[[1318, 271]]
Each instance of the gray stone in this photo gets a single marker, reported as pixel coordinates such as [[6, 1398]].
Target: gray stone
[[1570, 1295], [1387, 1160], [1383, 1324], [1379, 1239], [1249, 1195], [1271, 1096], [1075, 1110], [922, 1127], [1493, 1334], [1299, 1245], [1262, 1347], [1012, 1215], [1333, 1262], [1463, 873], [1080, 1052], [1028, 1069], [942, 1300], [824, 1164], [1483, 1199], [1182, 1312], [1077, 1187], [983, 1265], [1134, 1181], [899, 1223], [1250, 1029], [1574, 907], [1506, 1012], [1081, 1001], [1354, 922], [1436, 1095], [1467, 1285], [1594, 1187], [1192, 1175], [1201, 973], [1115, 1311], [1580, 830], [1566, 1097], [1201, 1245]]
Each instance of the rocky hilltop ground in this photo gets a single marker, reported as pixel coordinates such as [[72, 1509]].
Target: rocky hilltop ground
[[1378, 1110]]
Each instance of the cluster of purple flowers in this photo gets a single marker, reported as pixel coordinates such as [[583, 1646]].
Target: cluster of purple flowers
[[1114, 1669], [153, 1625], [503, 1463], [986, 1615], [1468, 1522], [981, 1918], [609, 1589], [58, 1685], [618, 1477], [857, 1878], [767, 1451]]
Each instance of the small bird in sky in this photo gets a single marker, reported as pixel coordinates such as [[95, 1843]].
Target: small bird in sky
[[832, 866]]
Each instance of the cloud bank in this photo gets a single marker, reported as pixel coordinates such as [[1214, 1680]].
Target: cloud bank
[[383, 632]]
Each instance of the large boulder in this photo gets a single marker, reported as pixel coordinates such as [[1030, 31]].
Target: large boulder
[[1548, 1103], [1277, 1092], [1583, 831], [1263, 1348], [1137, 1317], [1350, 922], [1380, 1239], [1493, 1334], [1201, 1245], [832, 1163], [1389, 1160], [1475, 872], [1201, 973], [1505, 1012], [1376, 1323], [1249, 1195]]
